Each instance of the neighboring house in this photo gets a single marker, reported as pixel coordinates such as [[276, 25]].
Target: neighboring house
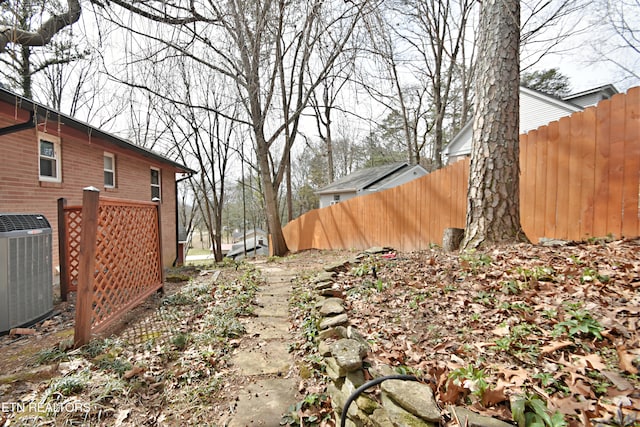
[[47, 155], [536, 109], [370, 180], [258, 232]]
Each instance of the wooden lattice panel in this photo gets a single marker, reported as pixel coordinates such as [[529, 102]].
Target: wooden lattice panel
[[73, 219], [128, 265]]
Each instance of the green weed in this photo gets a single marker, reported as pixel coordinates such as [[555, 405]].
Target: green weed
[[470, 377], [579, 322], [530, 410]]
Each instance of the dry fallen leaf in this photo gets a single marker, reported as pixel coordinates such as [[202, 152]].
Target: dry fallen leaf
[[618, 380], [626, 360], [133, 372], [494, 396], [555, 346]]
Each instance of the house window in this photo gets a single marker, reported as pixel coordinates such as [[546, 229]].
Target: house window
[[336, 199], [50, 160], [109, 170], [155, 184]]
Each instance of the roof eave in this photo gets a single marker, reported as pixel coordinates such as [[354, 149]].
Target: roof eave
[[34, 107]]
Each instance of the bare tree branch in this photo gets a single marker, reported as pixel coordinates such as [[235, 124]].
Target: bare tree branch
[[45, 33]]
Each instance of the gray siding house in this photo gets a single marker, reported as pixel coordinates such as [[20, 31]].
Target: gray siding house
[[369, 180], [536, 109]]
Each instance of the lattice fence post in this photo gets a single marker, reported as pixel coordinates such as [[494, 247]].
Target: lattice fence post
[[63, 254], [160, 257], [86, 267]]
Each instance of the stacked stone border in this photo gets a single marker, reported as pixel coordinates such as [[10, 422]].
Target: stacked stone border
[[344, 349]]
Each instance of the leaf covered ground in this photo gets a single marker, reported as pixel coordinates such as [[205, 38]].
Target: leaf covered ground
[[546, 334]]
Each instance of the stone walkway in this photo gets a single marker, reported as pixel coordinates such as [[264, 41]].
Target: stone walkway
[[263, 355]]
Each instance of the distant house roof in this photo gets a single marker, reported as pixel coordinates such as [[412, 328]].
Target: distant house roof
[[365, 178], [591, 97], [55, 116]]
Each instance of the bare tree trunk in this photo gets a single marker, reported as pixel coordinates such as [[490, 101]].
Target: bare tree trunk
[[493, 210]]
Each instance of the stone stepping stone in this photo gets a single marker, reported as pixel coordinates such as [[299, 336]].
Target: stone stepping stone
[[269, 357], [264, 402]]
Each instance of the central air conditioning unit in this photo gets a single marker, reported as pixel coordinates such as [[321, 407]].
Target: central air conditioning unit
[[26, 274]]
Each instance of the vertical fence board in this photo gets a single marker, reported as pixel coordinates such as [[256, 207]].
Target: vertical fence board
[[551, 180], [575, 172], [425, 209], [541, 181], [601, 172], [562, 203], [436, 208], [448, 198], [527, 209], [616, 176], [587, 145], [396, 217], [630, 223]]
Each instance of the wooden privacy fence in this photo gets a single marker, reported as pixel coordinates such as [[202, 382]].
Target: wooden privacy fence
[[580, 177], [110, 255]]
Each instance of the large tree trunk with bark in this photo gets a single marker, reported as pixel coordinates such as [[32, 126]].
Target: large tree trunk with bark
[[493, 210], [277, 245]]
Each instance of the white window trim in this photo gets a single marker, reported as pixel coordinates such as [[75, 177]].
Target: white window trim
[[58, 157], [112, 170], [159, 184]]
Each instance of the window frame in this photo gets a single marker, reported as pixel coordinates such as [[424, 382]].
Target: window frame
[[158, 185], [112, 170], [57, 157]]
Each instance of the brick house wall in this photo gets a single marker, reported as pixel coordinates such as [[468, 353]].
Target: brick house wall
[[21, 190]]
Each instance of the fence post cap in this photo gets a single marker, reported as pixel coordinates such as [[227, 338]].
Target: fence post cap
[[90, 188]]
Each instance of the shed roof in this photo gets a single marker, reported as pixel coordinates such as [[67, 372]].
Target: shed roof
[[39, 110], [363, 178]]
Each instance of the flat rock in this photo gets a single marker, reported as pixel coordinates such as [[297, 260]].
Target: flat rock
[[332, 306], [414, 397], [272, 357], [367, 404], [321, 286], [378, 249], [333, 332], [348, 354], [471, 419], [332, 293], [267, 328], [324, 349], [329, 322], [380, 418], [401, 417], [336, 266], [324, 276], [264, 402]]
